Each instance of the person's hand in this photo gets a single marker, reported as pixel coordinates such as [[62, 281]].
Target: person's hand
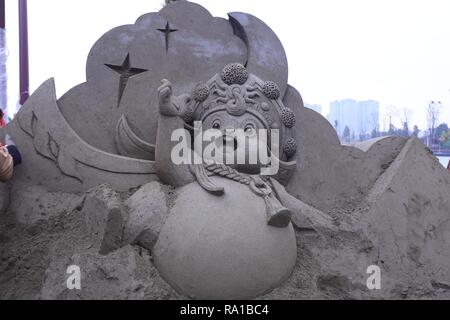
[[167, 106], [165, 92]]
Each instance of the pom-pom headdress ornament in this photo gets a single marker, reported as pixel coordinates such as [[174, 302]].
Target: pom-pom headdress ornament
[[237, 91]]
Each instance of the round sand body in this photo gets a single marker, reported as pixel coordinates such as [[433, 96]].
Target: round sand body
[[221, 247]]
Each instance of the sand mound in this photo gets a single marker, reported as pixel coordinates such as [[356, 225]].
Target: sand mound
[[402, 226]]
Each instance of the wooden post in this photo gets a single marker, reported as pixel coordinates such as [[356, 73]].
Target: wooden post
[[2, 14], [23, 48], [3, 75]]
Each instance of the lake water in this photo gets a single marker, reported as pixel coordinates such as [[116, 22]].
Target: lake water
[[444, 161]]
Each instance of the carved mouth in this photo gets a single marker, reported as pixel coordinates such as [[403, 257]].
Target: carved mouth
[[230, 144]]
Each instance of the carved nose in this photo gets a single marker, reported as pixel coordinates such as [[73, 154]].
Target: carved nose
[[230, 143]]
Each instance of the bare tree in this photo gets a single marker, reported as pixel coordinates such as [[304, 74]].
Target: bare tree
[[433, 111], [406, 115], [374, 122], [394, 115], [398, 116]]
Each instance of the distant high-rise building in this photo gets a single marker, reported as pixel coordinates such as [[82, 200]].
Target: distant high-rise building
[[317, 108], [361, 117]]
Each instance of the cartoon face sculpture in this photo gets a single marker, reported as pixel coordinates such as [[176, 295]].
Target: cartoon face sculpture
[[250, 115], [244, 140]]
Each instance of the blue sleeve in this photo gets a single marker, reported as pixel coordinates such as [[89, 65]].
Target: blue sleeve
[[15, 154]]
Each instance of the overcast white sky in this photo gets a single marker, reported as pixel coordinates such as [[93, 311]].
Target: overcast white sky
[[396, 52]]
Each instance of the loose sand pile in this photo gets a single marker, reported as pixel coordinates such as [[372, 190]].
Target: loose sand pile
[[402, 224]]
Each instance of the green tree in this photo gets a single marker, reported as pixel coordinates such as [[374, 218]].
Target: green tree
[[405, 132], [346, 134], [442, 128], [392, 130], [444, 140], [374, 134], [416, 131]]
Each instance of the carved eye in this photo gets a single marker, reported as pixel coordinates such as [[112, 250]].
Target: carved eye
[[250, 129], [216, 125]]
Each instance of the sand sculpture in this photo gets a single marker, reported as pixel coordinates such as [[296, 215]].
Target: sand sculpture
[[98, 189]]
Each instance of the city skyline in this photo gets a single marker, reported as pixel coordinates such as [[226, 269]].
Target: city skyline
[[360, 117], [392, 116]]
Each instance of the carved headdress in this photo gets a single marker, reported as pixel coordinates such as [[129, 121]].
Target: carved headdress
[[237, 91]]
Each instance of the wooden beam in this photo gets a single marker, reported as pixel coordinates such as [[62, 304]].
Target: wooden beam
[[23, 48], [2, 14]]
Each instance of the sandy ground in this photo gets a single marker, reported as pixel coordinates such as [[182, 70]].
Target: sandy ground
[[402, 225]]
